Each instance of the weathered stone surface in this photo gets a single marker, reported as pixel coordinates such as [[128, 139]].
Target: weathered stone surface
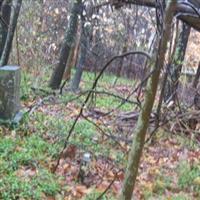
[[9, 92]]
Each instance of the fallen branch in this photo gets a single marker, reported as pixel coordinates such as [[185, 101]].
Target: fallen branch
[[89, 95], [109, 186]]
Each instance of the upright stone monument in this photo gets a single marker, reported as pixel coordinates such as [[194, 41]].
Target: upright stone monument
[[9, 92]]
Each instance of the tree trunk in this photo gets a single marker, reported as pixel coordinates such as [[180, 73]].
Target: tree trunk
[[124, 49], [72, 59], [84, 44], [176, 67], [196, 79], [121, 62], [67, 73], [143, 120], [5, 19], [67, 44], [11, 30]]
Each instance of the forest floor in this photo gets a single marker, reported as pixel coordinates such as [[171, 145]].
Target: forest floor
[[94, 160]]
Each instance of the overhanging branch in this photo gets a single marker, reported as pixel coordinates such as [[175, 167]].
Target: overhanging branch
[[187, 11]]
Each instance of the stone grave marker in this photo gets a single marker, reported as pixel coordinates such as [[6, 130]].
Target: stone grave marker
[[9, 92]]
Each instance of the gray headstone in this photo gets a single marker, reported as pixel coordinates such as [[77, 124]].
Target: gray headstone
[[9, 92]]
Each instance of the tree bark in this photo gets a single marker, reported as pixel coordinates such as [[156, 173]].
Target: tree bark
[[84, 44], [124, 50], [196, 79], [11, 30], [67, 44], [143, 120], [72, 60], [176, 67], [5, 19]]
